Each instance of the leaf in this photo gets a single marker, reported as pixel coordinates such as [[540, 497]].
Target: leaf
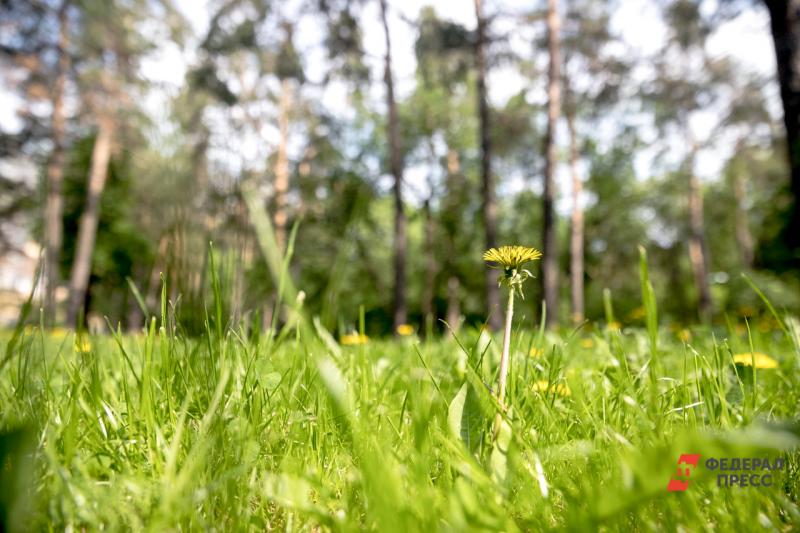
[[456, 410], [498, 461]]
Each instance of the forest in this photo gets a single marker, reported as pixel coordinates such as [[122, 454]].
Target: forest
[[399, 265]]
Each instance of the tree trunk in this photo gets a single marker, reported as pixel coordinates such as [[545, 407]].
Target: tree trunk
[[549, 251], [53, 229], [282, 164], [785, 26], [576, 235], [452, 205], [487, 187], [430, 268], [744, 238], [87, 226], [396, 167], [698, 251]]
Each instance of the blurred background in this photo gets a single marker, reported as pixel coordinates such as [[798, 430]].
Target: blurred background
[[391, 142]]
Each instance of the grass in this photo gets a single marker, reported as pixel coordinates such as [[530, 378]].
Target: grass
[[240, 431]]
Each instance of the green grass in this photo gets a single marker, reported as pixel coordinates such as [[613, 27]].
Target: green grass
[[236, 431]]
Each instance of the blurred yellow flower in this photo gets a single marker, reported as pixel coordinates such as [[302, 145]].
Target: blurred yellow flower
[[746, 310], [536, 352], [59, 333], [511, 256], [685, 335], [405, 330], [636, 314], [614, 326], [587, 343], [558, 388], [762, 360], [82, 344], [353, 339]]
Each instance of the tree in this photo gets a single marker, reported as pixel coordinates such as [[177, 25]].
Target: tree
[[592, 79], [288, 70], [38, 41], [399, 313], [679, 90], [487, 181], [55, 170], [111, 43], [549, 237], [785, 26]]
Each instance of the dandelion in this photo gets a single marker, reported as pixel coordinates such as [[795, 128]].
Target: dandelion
[[614, 326], [536, 352], [405, 330], [354, 339], [82, 344], [685, 335], [637, 313], [762, 360], [510, 259], [587, 343], [59, 333], [544, 386]]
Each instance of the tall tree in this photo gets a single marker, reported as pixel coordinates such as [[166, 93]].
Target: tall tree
[[549, 236], [87, 228], [53, 230], [593, 75], [679, 90], [399, 311], [487, 182], [289, 71], [576, 270], [111, 45], [785, 25]]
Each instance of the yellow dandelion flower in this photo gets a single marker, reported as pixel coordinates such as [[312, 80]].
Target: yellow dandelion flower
[[82, 344], [404, 330], [762, 360], [614, 326], [511, 257], [544, 386], [587, 343], [59, 333], [536, 352], [685, 335], [353, 339], [746, 310], [637, 313]]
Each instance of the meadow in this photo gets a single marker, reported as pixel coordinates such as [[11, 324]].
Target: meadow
[[297, 429]]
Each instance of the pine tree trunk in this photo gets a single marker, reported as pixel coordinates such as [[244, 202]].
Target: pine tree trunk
[[87, 226], [53, 229], [576, 235], [487, 186], [785, 26], [396, 167], [744, 238], [698, 251], [549, 249], [281, 216], [430, 268], [453, 314]]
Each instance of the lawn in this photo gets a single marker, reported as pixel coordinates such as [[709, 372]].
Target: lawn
[[304, 431]]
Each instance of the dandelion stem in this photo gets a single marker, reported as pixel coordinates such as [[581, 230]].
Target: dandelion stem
[[501, 384]]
